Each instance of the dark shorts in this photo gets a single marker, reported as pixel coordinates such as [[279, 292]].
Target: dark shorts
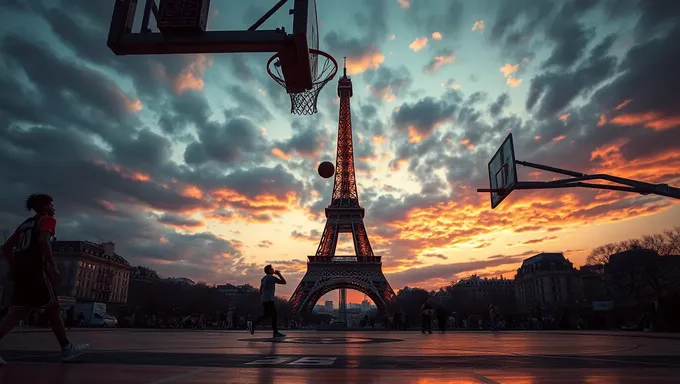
[[33, 290]]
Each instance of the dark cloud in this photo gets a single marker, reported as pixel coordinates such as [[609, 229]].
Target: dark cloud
[[424, 115], [570, 36], [308, 140], [237, 141], [179, 221], [414, 276], [497, 106], [387, 83], [371, 25], [551, 92], [265, 244], [313, 235], [428, 19], [441, 58]]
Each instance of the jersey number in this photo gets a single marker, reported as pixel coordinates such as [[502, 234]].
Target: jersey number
[[25, 240]]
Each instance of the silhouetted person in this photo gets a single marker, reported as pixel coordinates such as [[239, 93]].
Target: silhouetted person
[[268, 297], [493, 317], [29, 255], [427, 310], [397, 320]]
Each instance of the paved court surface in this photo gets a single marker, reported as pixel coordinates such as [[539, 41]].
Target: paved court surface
[[161, 356]]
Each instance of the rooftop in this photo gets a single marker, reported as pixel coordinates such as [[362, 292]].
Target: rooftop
[[97, 250]]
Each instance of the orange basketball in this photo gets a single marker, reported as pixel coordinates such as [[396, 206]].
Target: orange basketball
[[326, 169]]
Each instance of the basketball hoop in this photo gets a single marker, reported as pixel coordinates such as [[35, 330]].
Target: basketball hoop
[[303, 102]]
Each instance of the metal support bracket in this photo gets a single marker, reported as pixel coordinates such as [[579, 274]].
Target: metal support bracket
[[577, 180]]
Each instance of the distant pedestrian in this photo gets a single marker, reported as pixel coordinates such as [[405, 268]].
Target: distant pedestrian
[[427, 310], [268, 297]]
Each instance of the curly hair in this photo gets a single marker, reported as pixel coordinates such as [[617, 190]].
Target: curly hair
[[37, 201]]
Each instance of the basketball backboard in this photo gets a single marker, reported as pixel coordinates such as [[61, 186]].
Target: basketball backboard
[[502, 172], [182, 28]]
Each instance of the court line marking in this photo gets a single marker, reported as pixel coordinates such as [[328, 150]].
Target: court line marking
[[179, 376], [484, 379], [609, 360]]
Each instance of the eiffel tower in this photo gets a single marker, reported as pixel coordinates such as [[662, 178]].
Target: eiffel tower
[[327, 271]]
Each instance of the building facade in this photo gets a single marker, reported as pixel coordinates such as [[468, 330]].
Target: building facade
[[236, 293], [547, 282], [474, 294], [91, 272]]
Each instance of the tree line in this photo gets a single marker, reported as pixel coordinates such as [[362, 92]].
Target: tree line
[[665, 243]]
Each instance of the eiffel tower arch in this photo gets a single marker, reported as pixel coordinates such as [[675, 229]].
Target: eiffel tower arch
[[327, 271]]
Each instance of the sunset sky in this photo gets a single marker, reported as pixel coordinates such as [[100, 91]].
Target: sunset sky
[[193, 165]]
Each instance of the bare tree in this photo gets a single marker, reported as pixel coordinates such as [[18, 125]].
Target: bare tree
[[665, 243], [601, 254]]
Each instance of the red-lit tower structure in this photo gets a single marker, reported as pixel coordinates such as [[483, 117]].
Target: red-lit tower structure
[[327, 271]]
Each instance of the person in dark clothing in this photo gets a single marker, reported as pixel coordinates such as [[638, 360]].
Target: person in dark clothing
[[268, 297], [427, 310], [29, 255]]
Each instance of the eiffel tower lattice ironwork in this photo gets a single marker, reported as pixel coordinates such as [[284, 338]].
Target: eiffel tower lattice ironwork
[[326, 271]]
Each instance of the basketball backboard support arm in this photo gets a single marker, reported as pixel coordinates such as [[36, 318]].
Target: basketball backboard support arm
[[578, 178], [122, 40]]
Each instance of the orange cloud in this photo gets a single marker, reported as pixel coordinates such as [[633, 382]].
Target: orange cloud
[[280, 154], [439, 61], [559, 138], [404, 3], [414, 136], [192, 75], [140, 176], [133, 105], [192, 191], [622, 105], [437, 36], [478, 26], [513, 81], [371, 59], [107, 205], [509, 69], [565, 116], [657, 168], [602, 121], [467, 144], [122, 171], [418, 44], [654, 120], [251, 208], [378, 140]]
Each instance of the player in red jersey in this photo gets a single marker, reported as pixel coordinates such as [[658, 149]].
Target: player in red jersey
[[29, 254]]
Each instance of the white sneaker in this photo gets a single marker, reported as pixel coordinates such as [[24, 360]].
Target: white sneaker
[[73, 350]]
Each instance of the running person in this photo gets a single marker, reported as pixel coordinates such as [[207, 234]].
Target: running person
[[267, 294], [29, 254]]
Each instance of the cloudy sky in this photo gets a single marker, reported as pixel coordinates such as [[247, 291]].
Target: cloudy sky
[[193, 165]]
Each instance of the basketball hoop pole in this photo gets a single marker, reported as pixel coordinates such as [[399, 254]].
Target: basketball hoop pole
[[577, 180]]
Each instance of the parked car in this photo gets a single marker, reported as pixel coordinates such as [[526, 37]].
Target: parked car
[[109, 321]]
